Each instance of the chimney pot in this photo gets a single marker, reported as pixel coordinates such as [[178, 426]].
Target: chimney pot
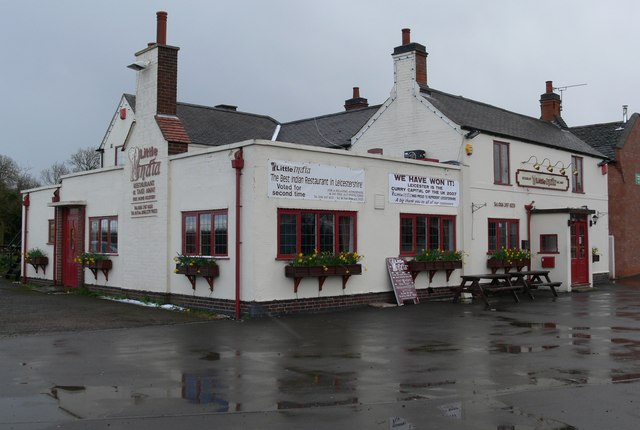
[[161, 34], [549, 87], [356, 92], [356, 102], [406, 36]]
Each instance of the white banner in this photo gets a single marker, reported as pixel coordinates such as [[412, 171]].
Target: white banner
[[422, 190], [307, 181]]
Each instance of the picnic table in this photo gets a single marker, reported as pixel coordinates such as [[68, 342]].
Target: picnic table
[[512, 282]]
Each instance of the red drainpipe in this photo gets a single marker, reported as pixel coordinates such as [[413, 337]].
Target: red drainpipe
[[25, 202], [528, 208], [238, 164]]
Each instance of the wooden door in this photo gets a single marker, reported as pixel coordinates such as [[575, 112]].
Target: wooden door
[[71, 234], [579, 252]]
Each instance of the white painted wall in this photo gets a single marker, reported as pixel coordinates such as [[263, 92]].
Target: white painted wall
[[38, 228], [116, 135]]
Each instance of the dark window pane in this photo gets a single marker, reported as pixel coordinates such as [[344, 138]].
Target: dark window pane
[[308, 236], [513, 235], [421, 234], [406, 235], [104, 235], [113, 236], [346, 237], [288, 227], [448, 235], [93, 236], [493, 236], [190, 234], [434, 233], [205, 234], [326, 233], [221, 230]]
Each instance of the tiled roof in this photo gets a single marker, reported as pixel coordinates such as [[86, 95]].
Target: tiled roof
[[606, 137], [471, 114], [172, 129], [327, 131]]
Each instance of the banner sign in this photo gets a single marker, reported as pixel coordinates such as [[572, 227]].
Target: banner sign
[[422, 190], [401, 280], [307, 181], [548, 181], [144, 168]]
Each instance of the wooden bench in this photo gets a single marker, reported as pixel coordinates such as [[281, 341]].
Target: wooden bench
[[552, 286]]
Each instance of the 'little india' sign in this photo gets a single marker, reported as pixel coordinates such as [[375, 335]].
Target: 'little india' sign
[[549, 181]]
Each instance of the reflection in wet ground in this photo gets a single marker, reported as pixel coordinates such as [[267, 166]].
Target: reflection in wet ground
[[449, 354]]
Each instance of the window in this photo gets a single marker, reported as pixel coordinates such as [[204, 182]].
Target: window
[[103, 235], [205, 233], [304, 231], [548, 243], [503, 233], [577, 185], [119, 156], [52, 232], [418, 232], [501, 163]]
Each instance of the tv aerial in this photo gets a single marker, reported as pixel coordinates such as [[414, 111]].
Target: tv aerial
[[563, 89]]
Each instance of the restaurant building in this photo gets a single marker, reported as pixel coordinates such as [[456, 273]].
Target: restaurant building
[[423, 170]]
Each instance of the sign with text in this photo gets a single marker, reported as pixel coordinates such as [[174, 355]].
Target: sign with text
[[548, 181], [144, 167], [307, 181], [401, 280], [423, 190]]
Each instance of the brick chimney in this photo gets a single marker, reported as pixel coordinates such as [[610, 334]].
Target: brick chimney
[[415, 55], [550, 104], [356, 102], [167, 69]]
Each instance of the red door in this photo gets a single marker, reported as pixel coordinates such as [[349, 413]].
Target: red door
[[579, 254], [71, 234]]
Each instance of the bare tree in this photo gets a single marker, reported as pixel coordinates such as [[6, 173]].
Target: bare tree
[[84, 159], [9, 172], [53, 174]]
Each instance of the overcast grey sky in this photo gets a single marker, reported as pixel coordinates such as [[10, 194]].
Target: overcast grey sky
[[64, 67]]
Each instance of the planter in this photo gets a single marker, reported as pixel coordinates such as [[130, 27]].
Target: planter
[[415, 267], [39, 262], [321, 272], [100, 265], [208, 272], [507, 265]]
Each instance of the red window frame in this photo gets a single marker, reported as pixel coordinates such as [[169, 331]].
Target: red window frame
[[543, 249], [51, 238], [500, 157], [577, 184], [509, 240], [100, 243], [214, 246], [337, 215], [428, 218]]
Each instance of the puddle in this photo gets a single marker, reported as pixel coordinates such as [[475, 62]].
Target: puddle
[[434, 347], [519, 349]]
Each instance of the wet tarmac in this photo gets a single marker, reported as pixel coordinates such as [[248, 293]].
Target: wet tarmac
[[551, 363]]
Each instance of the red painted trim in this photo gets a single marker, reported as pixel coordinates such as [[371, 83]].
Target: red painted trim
[[336, 228], [429, 218], [198, 244], [99, 241], [509, 221], [577, 187]]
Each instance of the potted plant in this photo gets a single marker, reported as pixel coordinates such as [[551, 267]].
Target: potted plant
[[37, 258], [595, 255], [509, 257]]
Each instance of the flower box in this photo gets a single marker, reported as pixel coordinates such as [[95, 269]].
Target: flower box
[[38, 262], [103, 265], [322, 272], [415, 267], [495, 264], [207, 271]]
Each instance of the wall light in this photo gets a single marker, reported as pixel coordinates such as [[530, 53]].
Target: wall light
[[138, 65], [472, 133]]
